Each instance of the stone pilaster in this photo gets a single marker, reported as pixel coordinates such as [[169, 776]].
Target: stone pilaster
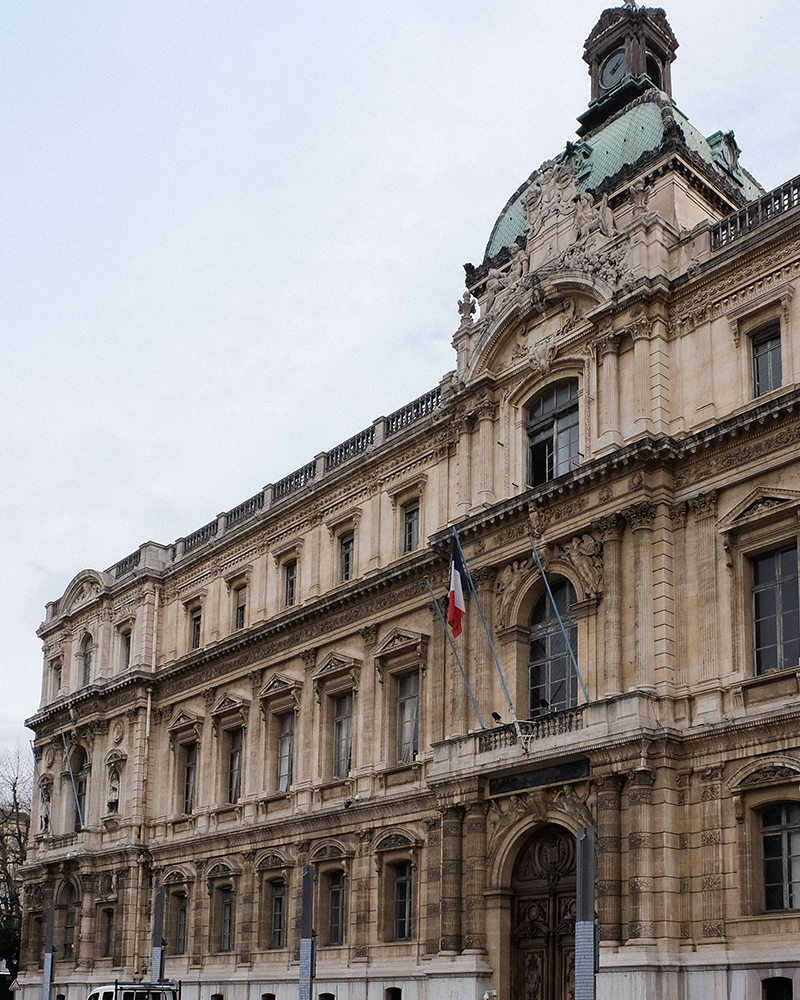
[[711, 854], [485, 671], [704, 508], [640, 518], [487, 412], [610, 530], [608, 376], [641, 924], [474, 853], [640, 334], [451, 899], [85, 950], [433, 886], [464, 425], [609, 867], [246, 911]]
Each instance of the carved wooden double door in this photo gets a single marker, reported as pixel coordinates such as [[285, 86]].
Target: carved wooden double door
[[543, 917]]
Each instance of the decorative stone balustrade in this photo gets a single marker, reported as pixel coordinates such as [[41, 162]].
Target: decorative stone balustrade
[[738, 224]]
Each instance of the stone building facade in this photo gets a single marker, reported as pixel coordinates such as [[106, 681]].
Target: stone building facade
[[275, 690]]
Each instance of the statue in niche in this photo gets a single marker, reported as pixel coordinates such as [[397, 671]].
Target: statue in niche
[[45, 790], [113, 790]]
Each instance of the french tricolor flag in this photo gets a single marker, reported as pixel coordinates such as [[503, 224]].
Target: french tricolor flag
[[458, 584]]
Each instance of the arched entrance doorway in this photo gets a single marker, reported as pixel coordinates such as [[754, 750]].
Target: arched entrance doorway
[[543, 917]]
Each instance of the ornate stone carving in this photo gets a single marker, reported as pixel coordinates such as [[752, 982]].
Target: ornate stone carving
[[466, 310], [509, 580]]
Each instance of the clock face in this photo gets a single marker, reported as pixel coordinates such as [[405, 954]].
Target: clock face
[[612, 70]]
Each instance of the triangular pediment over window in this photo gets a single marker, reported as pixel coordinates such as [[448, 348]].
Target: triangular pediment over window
[[230, 711], [334, 665], [185, 723], [401, 649], [760, 504]]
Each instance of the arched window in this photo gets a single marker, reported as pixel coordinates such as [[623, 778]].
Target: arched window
[[552, 683], [777, 988], [780, 837], [553, 432], [87, 648]]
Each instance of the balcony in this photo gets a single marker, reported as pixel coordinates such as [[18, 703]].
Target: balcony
[[782, 199]]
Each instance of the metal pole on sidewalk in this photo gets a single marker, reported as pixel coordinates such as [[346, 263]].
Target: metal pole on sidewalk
[[584, 922]]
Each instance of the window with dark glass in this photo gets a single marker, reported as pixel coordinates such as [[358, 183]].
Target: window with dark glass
[[277, 939], [411, 527], [285, 751], [234, 765], [776, 621], [80, 775], [402, 901], [87, 648], [553, 684], [196, 627], [226, 919], [407, 717], [108, 933], [70, 917], [240, 602], [767, 367], [189, 776], [342, 735], [181, 923], [336, 908], [780, 825], [553, 433], [777, 988], [125, 649], [290, 583], [347, 548]]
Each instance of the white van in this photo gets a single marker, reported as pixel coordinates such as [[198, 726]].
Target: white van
[[136, 991]]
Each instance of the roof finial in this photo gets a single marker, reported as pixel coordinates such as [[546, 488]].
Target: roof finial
[[631, 3]]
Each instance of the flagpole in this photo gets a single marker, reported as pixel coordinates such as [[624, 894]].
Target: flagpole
[[560, 622], [455, 654], [488, 636]]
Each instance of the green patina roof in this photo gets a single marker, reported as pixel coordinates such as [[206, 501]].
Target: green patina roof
[[615, 145]]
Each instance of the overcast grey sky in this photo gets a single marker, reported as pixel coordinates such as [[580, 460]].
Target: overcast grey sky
[[233, 235]]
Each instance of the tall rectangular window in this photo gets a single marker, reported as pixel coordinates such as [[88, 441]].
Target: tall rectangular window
[[181, 923], [776, 618], [342, 735], [346, 556], [767, 367], [240, 603], [234, 765], [195, 628], [402, 901], [553, 433], [290, 583], [125, 649], [226, 919], [277, 939], [285, 751], [336, 908], [780, 826], [407, 717], [108, 933], [411, 527], [189, 776]]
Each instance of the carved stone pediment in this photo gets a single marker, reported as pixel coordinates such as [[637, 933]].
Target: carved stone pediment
[[271, 861], [222, 869], [279, 685], [334, 668], [229, 710], [185, 723], [760, 504], [401, 647], [83, 589]]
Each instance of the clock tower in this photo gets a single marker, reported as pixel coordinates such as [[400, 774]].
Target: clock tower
[[630, 50]]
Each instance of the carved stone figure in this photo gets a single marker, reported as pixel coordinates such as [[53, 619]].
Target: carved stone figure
[[113, 790], [494, 285], [585, 554]]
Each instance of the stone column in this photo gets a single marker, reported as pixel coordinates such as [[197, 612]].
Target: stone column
[[486, 417], [84, 946], [484, 673], [433, 896], [641, 517], [610, 530], [609, 859], [360, 875], [450, 942], [704, 508], [200, 905], [640, 334], [474, 852], [641, 925], [608, 355]]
